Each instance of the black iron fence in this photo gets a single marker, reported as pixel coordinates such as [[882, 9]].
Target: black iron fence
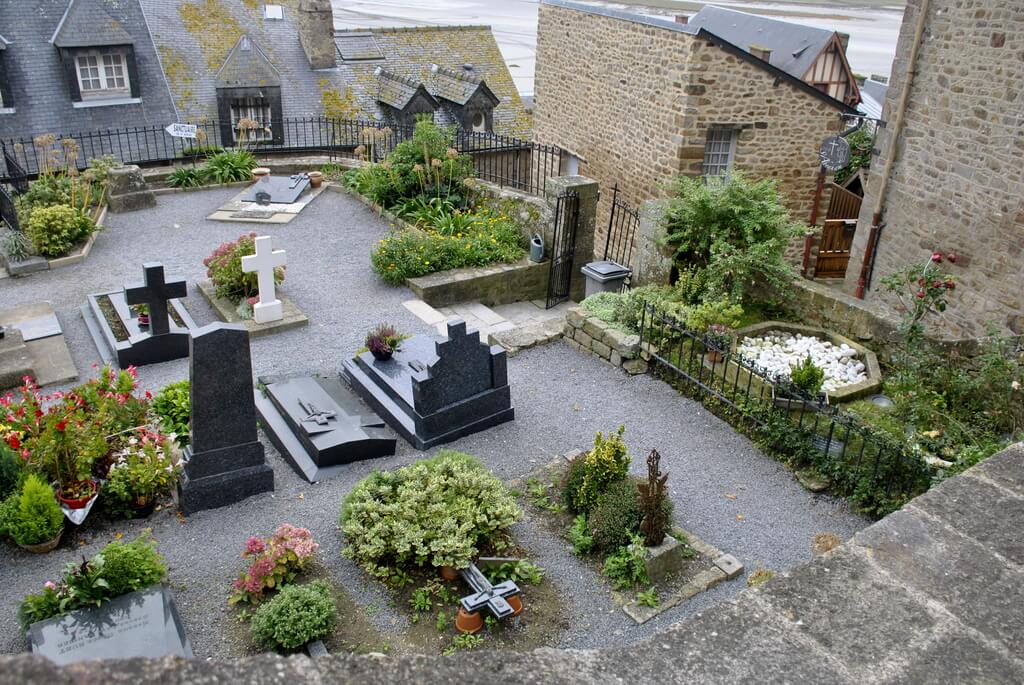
[[877, 472], [623, 224], [16, 174], [504, 160], [8, 212]]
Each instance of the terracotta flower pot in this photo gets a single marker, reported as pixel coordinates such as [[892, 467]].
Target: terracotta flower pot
[[81, 501], [315, 178], [516, 602], [44, 547], [467, 622], [449, 573], [715, 357]]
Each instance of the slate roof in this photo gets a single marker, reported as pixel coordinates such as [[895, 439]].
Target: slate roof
[[247, 64], [3, 43], [397, 91], [794, 46], [872, 97], [86, 23], [457, 86], [357, 46]]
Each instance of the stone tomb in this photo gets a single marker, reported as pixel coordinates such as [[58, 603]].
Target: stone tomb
[[270, 200], [138, 624], [318, 425], [436, 391], [115, 328]]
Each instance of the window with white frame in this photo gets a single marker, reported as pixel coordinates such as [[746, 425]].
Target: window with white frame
[[253, 114], [102, 74], [719, 151]]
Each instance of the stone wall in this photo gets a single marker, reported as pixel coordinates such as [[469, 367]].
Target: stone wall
[[490, 285], [957, 183], [589, 334], [648, 94]]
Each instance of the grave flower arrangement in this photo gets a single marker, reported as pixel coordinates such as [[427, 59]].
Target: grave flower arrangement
[[224, 268], [383, 341], [275, 561], [144, 469]]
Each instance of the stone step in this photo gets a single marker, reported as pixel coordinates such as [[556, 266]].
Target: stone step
[[515, 326]]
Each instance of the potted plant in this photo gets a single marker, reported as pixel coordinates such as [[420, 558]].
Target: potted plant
[[142, 470], [383, 341], [804, 388], [316, 178], [68, 445], [717, 340], [35, 522], [142, 314]]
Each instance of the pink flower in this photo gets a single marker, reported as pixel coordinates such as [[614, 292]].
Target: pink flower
[[951, 257], [920, 294], [937, 257], [50, 585], [255, 546]]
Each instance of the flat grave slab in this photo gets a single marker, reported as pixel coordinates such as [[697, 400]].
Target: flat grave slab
[[319, 425], [228, 313], [276, 189], [43, 354], [243, 208], [138, 624], [434, 391]]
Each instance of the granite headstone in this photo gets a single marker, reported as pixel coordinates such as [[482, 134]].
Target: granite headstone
[[225, 460]]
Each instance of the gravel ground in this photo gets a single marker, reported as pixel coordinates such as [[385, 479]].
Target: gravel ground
[[561, 399]]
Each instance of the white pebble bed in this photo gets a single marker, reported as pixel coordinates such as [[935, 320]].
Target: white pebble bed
[[778, 352]]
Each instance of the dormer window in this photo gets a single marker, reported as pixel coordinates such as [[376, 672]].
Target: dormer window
[[102, 74]]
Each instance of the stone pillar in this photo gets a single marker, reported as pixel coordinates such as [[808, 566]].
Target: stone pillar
[[127, 190], [589, 193], [652, 259], [316, 33], [225, 460]]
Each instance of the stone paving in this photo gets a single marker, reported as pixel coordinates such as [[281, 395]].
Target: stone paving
[[724, 489]]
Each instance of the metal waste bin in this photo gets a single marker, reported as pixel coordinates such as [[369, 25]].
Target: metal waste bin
[[537, 248], [605, 276]]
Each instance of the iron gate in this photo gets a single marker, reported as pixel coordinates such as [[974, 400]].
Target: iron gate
[[623, 223], [563, 244], [16, 175], [8, 213]]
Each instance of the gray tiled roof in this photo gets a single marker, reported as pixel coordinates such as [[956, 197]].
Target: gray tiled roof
[[357, 46], [86, 23], [247, 65], [3, 43], [457, 86], [397, 91], [794, 46]]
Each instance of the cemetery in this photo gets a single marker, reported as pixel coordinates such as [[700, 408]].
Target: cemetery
[[377, 476]]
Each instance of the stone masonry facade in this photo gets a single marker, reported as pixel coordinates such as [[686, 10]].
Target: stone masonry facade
[[635, 101], [957, 183]]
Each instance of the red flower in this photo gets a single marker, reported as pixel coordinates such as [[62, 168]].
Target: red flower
[[936, 284], [13, 442], [937, 257], [921, 281], [920, 294], [950, 285], [61, 425], [951, 257], [149, 395]]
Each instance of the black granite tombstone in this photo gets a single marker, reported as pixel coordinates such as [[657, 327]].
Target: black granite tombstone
[[225, 460], [435, 391], [138, 624], [116, 330], [318, 425]]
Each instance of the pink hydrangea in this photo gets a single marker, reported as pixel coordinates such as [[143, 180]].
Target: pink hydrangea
[[254, 546]]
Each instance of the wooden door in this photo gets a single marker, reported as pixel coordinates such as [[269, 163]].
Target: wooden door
[[837, 236]]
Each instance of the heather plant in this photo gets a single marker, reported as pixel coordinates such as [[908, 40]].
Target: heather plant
[[224, 269], [276, 561], [605, 463], [383, 341], [297, 615], [436, 512]]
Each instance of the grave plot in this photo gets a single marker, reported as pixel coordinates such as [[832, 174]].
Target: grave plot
[[435, 391], [270, 200], [621, 527], [142, 323], [32, 344]]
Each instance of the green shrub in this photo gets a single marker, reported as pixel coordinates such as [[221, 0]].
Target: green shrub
[[119, 568], [616, 517], [808, 376], [626, 567], [572, 481], [229, 166], [38, 518], [733, 231], [173, 406], [297, 615], [605, 463], [579, 535], [436, 512], [10, 470], [720, 312], [604, 306], [224, 268], [186, 177], [8, 513], [55, 230]]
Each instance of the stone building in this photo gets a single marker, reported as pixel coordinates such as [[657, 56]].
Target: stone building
[[86, 65], [956, 182], [639, 100]]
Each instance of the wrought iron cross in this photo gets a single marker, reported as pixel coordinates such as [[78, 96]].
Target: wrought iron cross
[[486, 595], [314, 413], [154, 293]]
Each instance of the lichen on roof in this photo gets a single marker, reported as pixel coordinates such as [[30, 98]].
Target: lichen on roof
[[214, 28]]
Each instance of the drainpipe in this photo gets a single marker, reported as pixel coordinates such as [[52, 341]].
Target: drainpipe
[[868, 262]]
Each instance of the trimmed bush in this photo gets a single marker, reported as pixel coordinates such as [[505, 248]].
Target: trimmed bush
[[10, 470], [616, 517], [572, 481], [298, 615], [605, 463], [55, 230], [38, 517], [436, 512]]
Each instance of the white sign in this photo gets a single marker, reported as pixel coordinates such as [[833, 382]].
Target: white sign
[[182, 130]]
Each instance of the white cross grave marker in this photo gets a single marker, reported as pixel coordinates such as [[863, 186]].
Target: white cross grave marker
[[263, 263]]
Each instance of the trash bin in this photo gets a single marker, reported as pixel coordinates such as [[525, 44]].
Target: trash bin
[[536, 248], [605, 276]]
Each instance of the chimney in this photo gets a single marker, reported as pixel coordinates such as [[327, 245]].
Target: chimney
[[316, 32], [682, 19], [844, 40], [760, 52]]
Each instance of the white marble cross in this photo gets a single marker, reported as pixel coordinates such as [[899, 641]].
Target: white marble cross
[[263, 263]]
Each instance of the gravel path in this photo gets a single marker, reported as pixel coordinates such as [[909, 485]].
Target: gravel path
[[561, 399]]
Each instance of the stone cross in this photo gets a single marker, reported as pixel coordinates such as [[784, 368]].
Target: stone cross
[[493, 597], [263, 263], [154, 293]]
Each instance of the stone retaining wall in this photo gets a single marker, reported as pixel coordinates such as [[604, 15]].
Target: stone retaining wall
[[587, 333], [489, 285]]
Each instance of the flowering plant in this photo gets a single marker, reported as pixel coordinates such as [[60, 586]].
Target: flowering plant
[[921, 292], [383, 341], [224, 268], [719, 337], [142, 470], [275, 561]]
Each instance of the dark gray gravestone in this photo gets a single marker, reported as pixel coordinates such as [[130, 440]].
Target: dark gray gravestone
[[225, 461], [138, 624], [435, 391], [276, 189], [154, 293], [318, 425]]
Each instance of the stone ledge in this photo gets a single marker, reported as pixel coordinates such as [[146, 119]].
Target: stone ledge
[[586, 333], [490, 285], [77, 254], [226, 311]]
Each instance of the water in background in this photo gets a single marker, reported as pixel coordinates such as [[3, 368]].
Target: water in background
[[873, 25]]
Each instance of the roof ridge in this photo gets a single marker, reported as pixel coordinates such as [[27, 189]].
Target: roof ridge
[[427, 27], [458, 75], [384, 73]]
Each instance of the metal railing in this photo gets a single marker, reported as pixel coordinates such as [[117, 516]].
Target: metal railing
[[857, 459], [504, 160], [623, 224], [8, 212]]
